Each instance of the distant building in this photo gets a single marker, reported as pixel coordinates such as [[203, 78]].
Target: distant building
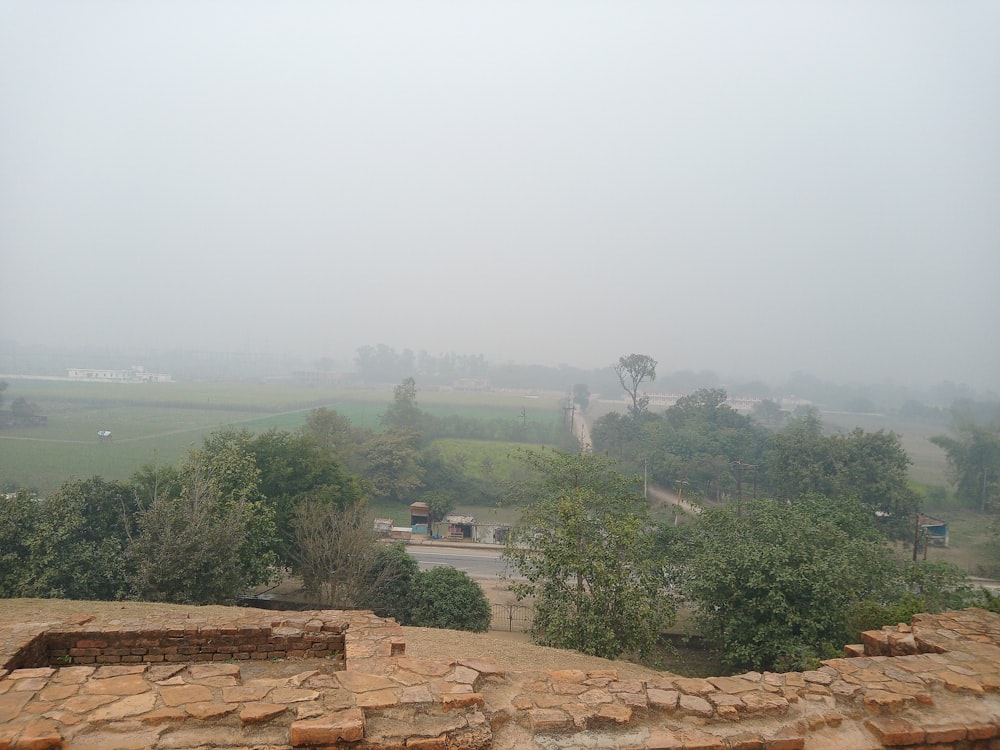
[[934, 529], [134, 374], [420, 518], [471, 384]]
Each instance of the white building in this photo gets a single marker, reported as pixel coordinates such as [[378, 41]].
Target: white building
[[135, 374]]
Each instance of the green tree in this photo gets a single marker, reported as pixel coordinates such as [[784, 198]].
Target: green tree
[[632, 370], [439, 504], [403, 413], [444, 597], [585, 549], [391, 464], [772, 585], [390, 582], [72, 544], [193, 548], [335, 434], [342, 563], [868, 466], [18, 515], [974, 462], [293, 467], [227, 464], [581, 395]]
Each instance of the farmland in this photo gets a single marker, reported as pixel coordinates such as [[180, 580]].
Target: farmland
[[160, 422]]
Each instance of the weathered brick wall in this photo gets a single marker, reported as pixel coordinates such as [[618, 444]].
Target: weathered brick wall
[[198, 644]]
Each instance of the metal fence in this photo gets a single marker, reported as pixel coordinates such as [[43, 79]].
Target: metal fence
[[507, 616]]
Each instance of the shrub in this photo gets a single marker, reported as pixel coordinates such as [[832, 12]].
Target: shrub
[[448, 598]]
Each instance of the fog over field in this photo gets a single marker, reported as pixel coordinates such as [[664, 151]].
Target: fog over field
[[753, 188]]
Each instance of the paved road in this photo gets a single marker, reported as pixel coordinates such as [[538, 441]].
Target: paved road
[[481, 564]]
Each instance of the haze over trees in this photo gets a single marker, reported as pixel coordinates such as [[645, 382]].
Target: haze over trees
[[799, 515], [715, 452], [973, 451]]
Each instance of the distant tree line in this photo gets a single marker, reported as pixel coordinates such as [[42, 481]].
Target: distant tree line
[[384, 364], [701, 447]]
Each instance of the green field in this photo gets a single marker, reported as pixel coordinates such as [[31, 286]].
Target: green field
[[161, 422]]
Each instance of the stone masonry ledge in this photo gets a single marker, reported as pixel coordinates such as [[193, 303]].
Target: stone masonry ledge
[[932, 684]]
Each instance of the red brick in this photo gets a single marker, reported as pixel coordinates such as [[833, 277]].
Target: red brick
[[91, 643], [895, 732], [945, 733], [39, 735], [982, 731], [427, 743], [343, 726]]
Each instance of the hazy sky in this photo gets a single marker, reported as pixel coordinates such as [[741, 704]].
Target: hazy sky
[[754, 188]]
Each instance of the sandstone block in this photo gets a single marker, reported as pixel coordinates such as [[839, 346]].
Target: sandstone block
[[11, 705], [130, 684], [132, 705], [181, 694], [452, 701], [568, 675], [664, 700], [694, 705], [944, 733], [693, 685], [894, 731], [343, 726], [257, 713], [548, 719], [613, 714], [374, 699], [209, 710], [876, 642], [41, 734], [362, 682], [982, 731]]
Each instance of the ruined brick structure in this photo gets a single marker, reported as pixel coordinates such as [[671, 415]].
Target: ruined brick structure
[[332, 679]]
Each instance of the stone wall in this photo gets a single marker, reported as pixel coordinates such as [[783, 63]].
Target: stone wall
[[930, 685]]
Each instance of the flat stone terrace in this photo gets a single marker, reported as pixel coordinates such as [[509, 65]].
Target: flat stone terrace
[[935, 684]]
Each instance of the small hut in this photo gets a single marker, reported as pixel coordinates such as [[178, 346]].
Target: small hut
[[460, 527], [420, 518], [935, 529]]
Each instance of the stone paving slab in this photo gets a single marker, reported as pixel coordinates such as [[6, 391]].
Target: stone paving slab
[[932, 684]]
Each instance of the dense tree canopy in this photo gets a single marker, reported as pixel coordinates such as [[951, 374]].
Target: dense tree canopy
[[444, 597], [585, 550], [71, 545], [771, 585], [868, 466]]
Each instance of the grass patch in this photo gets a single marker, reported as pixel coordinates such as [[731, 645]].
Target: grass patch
[[489, 460], [161, 422]]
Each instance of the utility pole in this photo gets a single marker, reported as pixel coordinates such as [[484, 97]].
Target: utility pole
[[740, 465], [680, 494], [916, 536]]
